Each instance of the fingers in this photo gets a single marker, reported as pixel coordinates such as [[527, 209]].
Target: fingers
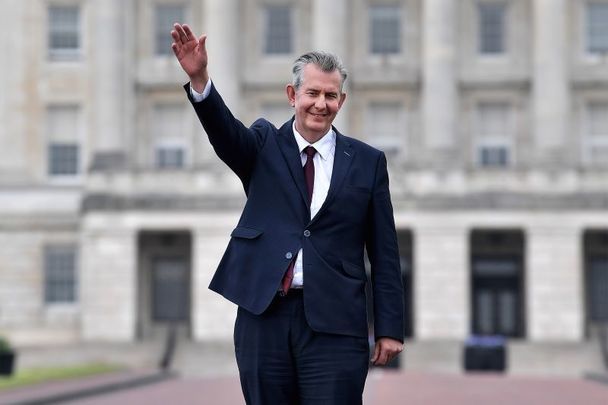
[[181, 33], [385, 351], [175, 37], [189, 35], [376, 353], [201, 41], [383, 357]]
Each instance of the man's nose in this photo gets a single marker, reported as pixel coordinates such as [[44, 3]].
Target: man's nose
[[320, 102]]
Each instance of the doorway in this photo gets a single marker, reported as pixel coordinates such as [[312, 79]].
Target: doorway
[[595, 246], [497, 269], [164, 283]]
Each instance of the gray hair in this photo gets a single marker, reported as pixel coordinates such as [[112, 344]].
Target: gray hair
[[327, 62]]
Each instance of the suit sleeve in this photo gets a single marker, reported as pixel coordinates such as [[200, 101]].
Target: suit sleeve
[[383, 253], [232, 141]]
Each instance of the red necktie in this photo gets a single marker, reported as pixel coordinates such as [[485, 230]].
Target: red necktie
[[309, 175]]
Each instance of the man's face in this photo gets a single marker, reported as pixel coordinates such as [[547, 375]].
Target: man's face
[[316, 102]]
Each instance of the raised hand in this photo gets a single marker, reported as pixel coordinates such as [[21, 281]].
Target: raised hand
[[191, 54]]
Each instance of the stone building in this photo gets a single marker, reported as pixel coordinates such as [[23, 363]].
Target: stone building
[[114, 210]]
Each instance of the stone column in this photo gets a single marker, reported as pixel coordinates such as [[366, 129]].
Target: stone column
[[212, 315], [112, 87], [330, 22], [439, 91], [220, 22], [108, 281], [442, 283], [550, 95], [554, 280], [17, 100]]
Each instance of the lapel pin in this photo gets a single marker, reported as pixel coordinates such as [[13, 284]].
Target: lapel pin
[[346, 153]]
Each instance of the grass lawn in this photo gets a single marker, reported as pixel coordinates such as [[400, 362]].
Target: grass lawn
[[39, 375]]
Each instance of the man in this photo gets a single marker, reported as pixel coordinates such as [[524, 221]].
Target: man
[[295, 263]]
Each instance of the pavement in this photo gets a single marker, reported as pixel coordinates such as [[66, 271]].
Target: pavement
[[383, 387], [58, 392], [207, 374]]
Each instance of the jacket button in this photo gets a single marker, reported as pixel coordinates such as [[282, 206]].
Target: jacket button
[[288, 255], [307, 233]]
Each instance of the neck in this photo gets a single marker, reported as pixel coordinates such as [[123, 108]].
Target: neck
[[310, 137]]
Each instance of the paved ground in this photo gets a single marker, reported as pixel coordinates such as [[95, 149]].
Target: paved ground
[[383, 388], [433, 377]]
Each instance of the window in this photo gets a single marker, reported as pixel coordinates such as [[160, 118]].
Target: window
[[494, 133], [278, 30], [385, 29], [492, 27], [170, 157], [385, 127], [63, 159], [595, 138], [166, 16], [60, 274], [170, 139], [64, 32], [63, 145], [597, 27]]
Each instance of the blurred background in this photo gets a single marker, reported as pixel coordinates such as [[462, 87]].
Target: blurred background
[[114, 210]]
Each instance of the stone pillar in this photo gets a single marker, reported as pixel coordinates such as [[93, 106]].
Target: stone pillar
[[550, 95], [330, 22], [441, 283], [223, 40], [16, 96], [108, 281], [212, 315], [112, 86], [439, 91], [554, 283]]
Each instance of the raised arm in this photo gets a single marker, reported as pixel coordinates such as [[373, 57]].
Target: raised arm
[[191, 54]]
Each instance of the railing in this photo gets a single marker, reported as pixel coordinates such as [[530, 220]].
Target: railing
[[603, 341], [169, 349]]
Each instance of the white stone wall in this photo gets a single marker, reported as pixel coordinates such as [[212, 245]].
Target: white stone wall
[[438, 78], [555, 280], [109, 282], [213, 316], [441, 287], [553, 270]]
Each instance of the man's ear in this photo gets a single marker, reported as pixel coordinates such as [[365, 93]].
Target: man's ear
[[342, 100], [291, 94]]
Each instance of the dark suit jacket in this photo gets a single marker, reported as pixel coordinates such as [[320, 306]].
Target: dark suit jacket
[[276, 223]]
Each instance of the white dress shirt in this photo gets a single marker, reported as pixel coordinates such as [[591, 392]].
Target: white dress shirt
[[324, 165]]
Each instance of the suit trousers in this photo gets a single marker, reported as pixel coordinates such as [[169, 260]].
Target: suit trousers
[[282, 361]]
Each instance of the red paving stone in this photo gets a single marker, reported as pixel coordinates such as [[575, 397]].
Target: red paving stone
[[385, 388], [479, 389], [216, 391]]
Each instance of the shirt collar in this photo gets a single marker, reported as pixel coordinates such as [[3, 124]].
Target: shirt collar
[[323, 146]]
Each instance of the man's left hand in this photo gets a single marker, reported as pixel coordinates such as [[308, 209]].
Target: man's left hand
[[386, 349]]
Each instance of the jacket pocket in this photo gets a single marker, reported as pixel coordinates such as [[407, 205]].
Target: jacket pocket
[[245, 233]]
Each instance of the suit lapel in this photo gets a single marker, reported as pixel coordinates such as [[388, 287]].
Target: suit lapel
[[291, 154], [342, 160]]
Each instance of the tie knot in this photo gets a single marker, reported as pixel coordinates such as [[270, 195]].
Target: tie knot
[[310, 151]]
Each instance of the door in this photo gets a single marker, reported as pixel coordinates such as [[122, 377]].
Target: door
[[170, 289]]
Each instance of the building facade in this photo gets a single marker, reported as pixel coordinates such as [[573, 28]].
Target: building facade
[[114, 210]]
